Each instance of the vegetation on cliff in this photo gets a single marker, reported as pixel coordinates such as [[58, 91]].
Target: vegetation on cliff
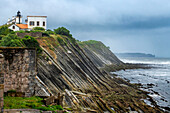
[[12, 40], [94, 43], [27, 103], [68, 67]]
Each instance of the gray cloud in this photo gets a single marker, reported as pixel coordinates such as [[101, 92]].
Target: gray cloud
[[138, 24]]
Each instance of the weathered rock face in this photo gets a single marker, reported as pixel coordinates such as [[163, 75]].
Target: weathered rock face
[[68, 67], [65, 67], [99, 53], [18, 69], [1, 96]]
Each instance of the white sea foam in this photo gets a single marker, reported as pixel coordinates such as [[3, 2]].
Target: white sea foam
[[146, 60], [159, 77]]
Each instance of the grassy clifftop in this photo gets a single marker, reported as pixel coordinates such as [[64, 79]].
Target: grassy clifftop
[[100, 54], [93, 43], [65, 66]]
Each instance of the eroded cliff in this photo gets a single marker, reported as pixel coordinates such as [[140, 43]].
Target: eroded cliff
[[65, 67], [99, 53]]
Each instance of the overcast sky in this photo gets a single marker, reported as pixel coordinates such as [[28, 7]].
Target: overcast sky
[[124, 25]]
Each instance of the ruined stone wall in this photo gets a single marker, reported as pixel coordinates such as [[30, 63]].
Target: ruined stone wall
[[18, 69], [1, 84], [37, 34]]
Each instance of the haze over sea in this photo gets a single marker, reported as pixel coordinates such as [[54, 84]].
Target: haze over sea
[[155, 80]]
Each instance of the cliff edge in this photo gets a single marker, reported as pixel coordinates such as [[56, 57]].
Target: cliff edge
[[66, 67]]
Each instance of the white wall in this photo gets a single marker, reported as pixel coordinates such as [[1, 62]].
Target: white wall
[[16, 27], [35, 19], [17, 20], [10, 22]]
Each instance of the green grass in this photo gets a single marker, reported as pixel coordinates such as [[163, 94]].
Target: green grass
[[92, 44], [28, 103]]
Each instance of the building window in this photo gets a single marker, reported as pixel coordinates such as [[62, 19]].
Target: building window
[[43, 23], [13, 27], [31, 23], [38, 23]]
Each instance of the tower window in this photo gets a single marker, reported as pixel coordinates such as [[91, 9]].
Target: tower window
[[13, 27], [43, 23], [38, 23], [31, 23]]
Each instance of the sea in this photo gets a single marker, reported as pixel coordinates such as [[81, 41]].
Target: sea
[[155, 80]]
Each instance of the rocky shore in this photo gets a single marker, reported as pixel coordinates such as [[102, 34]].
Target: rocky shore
[[80, 72], [143, 77]]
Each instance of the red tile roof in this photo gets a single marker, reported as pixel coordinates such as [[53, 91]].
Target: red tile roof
[[22, 26]]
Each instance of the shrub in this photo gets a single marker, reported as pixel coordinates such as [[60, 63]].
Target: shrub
[[4, 30], [38, 28], [49, 108], [45, 33], [21, 31], [30, 41], [62, 31], [1, 36], [11, 91], [50, 31], [60, 40], [11, 40]]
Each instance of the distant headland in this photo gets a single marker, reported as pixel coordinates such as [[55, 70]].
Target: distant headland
[[134, 55]]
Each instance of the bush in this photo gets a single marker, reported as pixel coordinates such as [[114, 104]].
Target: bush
[[38, 28], [50, 31], [60, 40], [45, 33], [4, 30], [30, 42], [50, 108], [1, 36], [11, 40], [62, 31], [11, 91], [21, 31]]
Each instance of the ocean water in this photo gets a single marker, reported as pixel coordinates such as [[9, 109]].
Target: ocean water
[[155, 80]]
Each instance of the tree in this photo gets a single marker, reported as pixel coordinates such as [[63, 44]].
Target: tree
[[62, 31], [11, 40]]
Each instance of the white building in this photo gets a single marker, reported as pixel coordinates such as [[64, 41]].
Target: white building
[[18, 27], [36, 21], [15, 19], [31, 22]]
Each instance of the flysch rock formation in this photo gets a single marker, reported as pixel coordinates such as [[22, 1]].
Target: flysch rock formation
[[99, 53], [70, 75], [64, 67]]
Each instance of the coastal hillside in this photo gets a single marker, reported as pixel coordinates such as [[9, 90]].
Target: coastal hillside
[[65, 66], [99, 53], [70, 70]]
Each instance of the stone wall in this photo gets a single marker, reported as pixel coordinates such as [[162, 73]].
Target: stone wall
[[1, 84], [1, 97], [37, 34], [18, 69]]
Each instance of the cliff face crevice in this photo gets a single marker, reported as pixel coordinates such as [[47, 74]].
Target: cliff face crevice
[[99, 53], [65, 67], [71, 64]]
